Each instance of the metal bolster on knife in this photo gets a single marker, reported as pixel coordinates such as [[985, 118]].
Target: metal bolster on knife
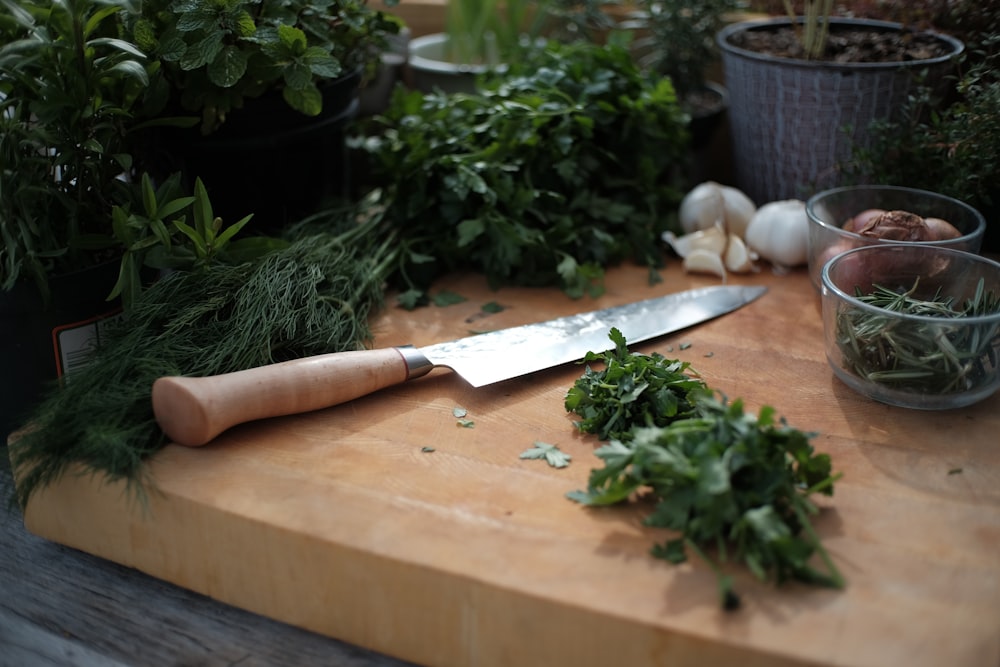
[[417, 364]]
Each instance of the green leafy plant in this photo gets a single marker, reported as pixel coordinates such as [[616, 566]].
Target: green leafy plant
[[734, 486], [484, 31], [677, 38], [216, 54], [563, 166], [948, 141], [576, 20], [156, 234], [69, 88]]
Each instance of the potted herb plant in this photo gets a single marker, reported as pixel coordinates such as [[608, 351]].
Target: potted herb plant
[[949, 143], [488, 35], [272, 83], [68, 87], [804, 90], [479, 35], [676, 38]]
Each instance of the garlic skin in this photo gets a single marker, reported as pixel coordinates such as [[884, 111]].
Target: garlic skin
[[713, 239], [779, 232], [702, 208], [739, 210]]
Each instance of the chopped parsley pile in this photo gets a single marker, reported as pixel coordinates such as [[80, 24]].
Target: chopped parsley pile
[[734, 486]]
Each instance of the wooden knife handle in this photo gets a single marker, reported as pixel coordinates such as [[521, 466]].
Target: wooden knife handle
[[193, 410]]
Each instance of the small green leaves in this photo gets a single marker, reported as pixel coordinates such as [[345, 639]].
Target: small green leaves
[[227, 67], [460, 414], [632, 390], [513, 182], [722, 478], [447, 298], [551, 453]]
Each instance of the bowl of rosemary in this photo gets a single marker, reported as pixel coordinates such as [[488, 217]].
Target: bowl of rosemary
[[913, 325], [850, 217]]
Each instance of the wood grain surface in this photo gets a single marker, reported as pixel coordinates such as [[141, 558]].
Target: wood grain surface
[[339, 521], [61, 607]]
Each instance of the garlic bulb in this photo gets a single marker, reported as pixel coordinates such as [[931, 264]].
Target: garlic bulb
[[702, 208], [739, 210], [779, 233], [711, 204]]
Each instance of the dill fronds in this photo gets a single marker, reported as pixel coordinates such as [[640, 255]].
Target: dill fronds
[[313, 297]]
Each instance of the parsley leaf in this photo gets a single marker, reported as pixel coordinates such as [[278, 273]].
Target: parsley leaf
[[551, 453]]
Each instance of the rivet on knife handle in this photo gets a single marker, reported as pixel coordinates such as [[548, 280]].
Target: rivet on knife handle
[[193, 410]]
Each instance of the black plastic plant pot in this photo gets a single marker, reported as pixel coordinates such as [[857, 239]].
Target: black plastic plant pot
[[268, 159], [44, 344]]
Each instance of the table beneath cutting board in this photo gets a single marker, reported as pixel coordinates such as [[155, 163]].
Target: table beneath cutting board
[[344, 523]]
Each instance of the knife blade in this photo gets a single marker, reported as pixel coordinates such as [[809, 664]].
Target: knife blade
[[194, 410]]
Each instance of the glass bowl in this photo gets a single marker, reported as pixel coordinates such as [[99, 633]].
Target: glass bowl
[[883, 347], [829, 210]]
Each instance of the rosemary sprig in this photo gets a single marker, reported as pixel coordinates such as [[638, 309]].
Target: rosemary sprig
[[942, 353]]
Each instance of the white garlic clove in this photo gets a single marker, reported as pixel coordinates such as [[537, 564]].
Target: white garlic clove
[[739, 209], [737, 257], [702, 208], [712, 239], [705, 261]]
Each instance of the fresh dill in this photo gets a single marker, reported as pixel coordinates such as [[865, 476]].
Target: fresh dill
[[313, 297]]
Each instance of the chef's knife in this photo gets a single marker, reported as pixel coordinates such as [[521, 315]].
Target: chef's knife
[[192, 410]]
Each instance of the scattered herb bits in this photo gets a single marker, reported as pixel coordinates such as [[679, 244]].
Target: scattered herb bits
[[734, 486]]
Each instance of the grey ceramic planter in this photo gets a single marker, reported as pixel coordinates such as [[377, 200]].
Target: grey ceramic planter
[[431, 69], [788, 116]]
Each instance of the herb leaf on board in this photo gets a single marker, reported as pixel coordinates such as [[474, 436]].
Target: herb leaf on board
[[551, 453]]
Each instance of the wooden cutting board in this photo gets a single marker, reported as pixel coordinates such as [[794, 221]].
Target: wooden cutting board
[[338, 521]]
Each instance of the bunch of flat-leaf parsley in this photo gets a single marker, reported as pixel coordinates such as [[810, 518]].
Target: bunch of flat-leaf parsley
[[730, 483]]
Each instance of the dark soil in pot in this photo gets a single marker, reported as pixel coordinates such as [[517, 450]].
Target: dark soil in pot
[[846, 45]]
